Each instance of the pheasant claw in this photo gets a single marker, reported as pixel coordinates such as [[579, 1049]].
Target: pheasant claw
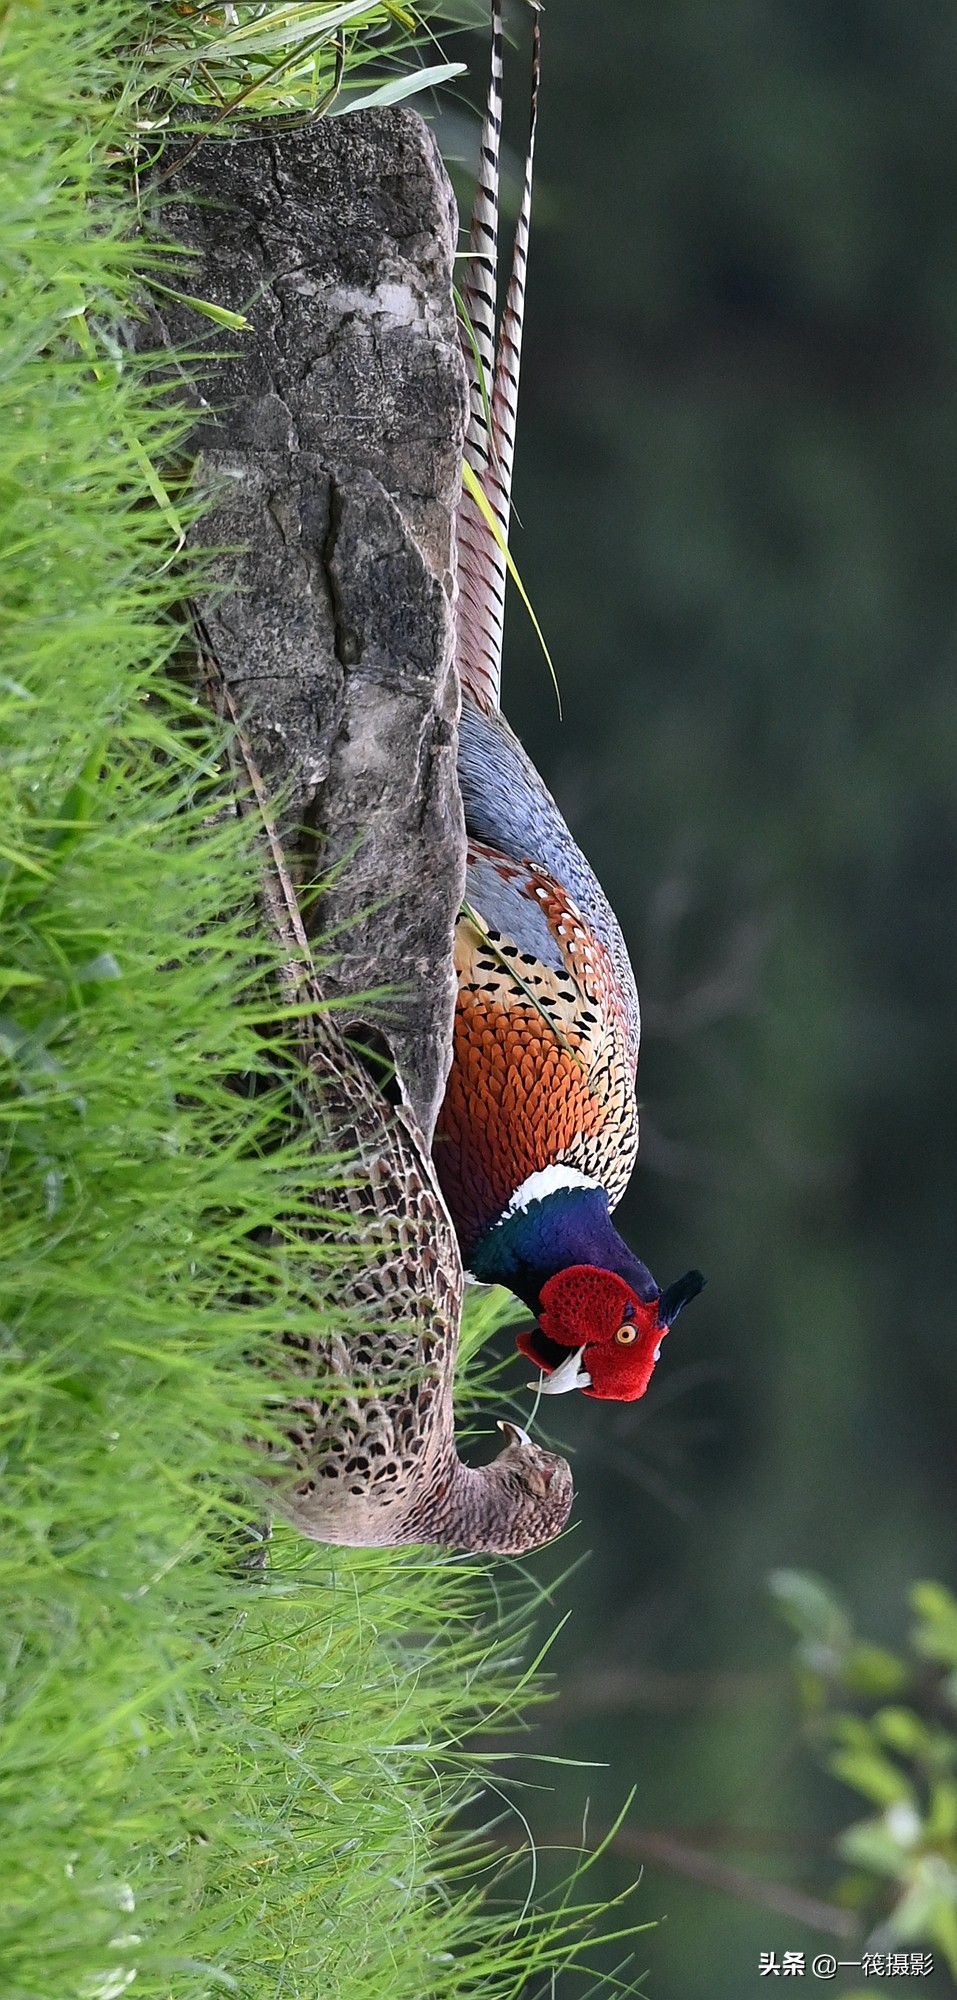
[[513, 1432]]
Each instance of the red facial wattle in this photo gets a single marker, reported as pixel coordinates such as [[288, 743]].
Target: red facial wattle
[[585, 1308], [622, 1374]]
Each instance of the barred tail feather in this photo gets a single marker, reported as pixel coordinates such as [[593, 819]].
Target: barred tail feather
[[509, 355], [481, 565], [480, 613], [479, 562], [480, 283]]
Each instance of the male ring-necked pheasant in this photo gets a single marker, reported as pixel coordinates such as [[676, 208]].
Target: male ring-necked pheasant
[[538, 1133]]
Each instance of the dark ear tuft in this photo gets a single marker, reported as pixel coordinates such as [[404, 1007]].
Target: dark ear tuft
[[677, 1297]]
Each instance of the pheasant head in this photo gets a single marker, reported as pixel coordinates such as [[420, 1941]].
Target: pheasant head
[[601, 1316], [594, 1333]]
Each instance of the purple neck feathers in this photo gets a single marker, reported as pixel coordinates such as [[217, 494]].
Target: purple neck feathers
[[570, 1226]]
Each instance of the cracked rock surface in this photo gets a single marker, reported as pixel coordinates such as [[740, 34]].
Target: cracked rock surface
[[330, 438]]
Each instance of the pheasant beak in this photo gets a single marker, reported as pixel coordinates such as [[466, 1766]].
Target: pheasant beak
[[570, 1375], [513, 1432]]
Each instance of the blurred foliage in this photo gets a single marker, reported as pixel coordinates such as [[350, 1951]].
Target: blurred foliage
[[885, 1724]]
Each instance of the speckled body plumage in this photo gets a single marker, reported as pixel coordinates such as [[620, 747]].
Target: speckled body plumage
[[380, 1434], [373, 1438]]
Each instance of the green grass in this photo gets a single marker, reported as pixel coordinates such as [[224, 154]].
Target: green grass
[[304, 58], [209, 1782]]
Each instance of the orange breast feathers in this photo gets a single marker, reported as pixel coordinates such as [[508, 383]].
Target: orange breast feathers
[[541, 1074]]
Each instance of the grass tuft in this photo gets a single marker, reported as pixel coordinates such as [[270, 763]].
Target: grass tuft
[[199, 67]]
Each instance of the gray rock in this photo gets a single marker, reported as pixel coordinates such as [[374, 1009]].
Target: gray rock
[[330, 438]]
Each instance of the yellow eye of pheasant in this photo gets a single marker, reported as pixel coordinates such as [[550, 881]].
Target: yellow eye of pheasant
[[625, 1335]]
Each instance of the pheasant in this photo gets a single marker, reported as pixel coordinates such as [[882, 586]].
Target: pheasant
[[372, 1441], [538, 1132]]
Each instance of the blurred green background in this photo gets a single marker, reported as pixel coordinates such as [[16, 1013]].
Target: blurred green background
[[737, 482]]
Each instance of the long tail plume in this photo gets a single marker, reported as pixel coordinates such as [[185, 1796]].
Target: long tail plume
[[493, 376], [509, 356]]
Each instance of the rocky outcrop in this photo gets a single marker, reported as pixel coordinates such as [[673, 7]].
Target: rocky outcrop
[[329, 444]]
